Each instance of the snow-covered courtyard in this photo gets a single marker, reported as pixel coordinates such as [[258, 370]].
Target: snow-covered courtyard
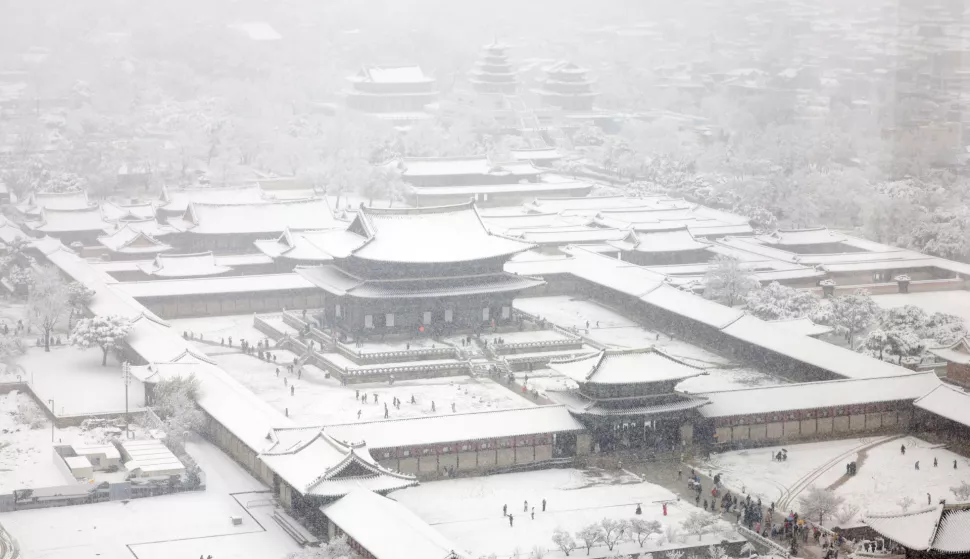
[[215, 328], [77, 383], [609, 327], [317, 400], [950, 302], [181, 525], [469, 511], [885, 475]]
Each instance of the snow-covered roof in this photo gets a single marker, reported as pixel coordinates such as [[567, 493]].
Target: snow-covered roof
[[338, 282], [591, 203], [387, 529], [674, 239], [178, 199], [625, 366], [67, 221], [524, 189], [807, 396], [612, 273], [947, 401], [149, 456], [213, 285], [571, 234], [813, 236], [300, 245], [9, 232], [263, 217], [391, 75], [130, 240], [429, 235], [835, 359], [108, 450], [580, 404], [184, 266], [692, 306], [536, 154], [958, 352], [459, 427], [132, 212], [54, 201], [314, 463], [465, 165], [938, 528], [803, 326]]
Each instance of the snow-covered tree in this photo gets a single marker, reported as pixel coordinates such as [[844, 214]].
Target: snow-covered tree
[[907, 501], [716, 552], [698, 524], [775, 302], [20, 277], [538, 552], [564, 541], [726, 282], [893, 345], [47, 300], [675, 554], [847, 513], [962, 491], [590, 535], [337, 548], [174, 403], [642, 529], [78, 297], [819, 502], [851, 314], [613, 531], [102, 331]]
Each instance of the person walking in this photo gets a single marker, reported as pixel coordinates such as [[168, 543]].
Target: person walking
[[525, 506], [680, 474], [917, 464], [358, 414], [510, 521], [543, 505], [505, 510], [902, 449], [929, 499], [533, 513]]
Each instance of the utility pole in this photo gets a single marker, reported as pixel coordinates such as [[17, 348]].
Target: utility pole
[[53, 418], [126, 375]]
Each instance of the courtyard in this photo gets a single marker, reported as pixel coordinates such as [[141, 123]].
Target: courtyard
[[468, 511], [886, 478]]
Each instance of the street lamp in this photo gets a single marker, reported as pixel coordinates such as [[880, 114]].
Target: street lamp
[[126, 376], [53, 418]]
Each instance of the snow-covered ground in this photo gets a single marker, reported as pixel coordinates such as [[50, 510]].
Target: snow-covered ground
[[76, 381], [469, 510], [612, 328], [951, 302], [26, 454], [319, 400], [526, 336], [182, 525], [885, 476]]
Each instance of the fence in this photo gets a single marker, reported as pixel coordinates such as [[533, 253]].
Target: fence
[[266, 328], [764, 543]]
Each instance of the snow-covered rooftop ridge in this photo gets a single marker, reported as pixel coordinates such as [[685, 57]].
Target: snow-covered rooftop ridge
[[387, 529], [184, 265], [391, 75], [625, 366], [947, 401], [941, 528], [804, 326], [433, 234], [49, 220], [488, 424], [264, 217], [676, 238], [823, 394], [809, 236], [132, 240]]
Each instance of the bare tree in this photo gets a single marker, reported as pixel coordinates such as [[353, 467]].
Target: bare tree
[[47, 300], [642, 529], [698, 524], [726, 282], [962, 491], [907, 501], [847, 513], [564, 541], [590, 535], [613, 531], [819, 502]]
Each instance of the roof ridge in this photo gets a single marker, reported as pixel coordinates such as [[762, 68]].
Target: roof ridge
[[429, 417], [826, 382]]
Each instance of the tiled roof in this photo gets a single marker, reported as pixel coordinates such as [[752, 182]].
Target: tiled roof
[[262, 217], [638, 366], [184, 266], [675, 239], [429, 235], [391, 75], [939, 528], [68, 221], [947, 401], [581, 405], [129, 240], [787, 237], [958, 352], [177, 200], [334, 280]]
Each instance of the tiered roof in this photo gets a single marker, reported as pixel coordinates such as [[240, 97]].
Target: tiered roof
[[386, 529], [252, 218], [493, 72], [940, 528], [184, 266], [340, 283], [130, 240], [624, 366], [674, 239], [313, 463], [566, 81]]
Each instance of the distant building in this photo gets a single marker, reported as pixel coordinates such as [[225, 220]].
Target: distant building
[[393, 93], [493, 72], [568, 87]]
